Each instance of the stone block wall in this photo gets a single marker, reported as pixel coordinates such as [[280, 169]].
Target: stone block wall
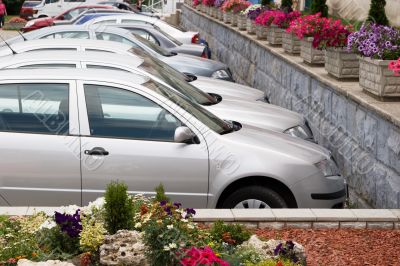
[[364, 141]]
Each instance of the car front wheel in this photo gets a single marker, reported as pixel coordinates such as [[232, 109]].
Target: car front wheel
[[254, 197]]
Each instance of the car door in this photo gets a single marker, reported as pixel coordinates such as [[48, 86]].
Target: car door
[[130, 138], [39, 147], [52, 7]]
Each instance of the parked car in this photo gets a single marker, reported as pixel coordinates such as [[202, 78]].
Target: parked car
[[183, 63], [209, 85], [258, 114], [88, 127], [51, 8], [132, 8], [26, 11], [158, 37], [177, 33], [67, 17]]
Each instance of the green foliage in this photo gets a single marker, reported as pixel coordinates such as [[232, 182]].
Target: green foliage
[[243, 255], [287, 5], [233, 234], [266, 2], [319, 6], [118, 208], [377, 12], [273, 262], [13, 6], [160, 194]]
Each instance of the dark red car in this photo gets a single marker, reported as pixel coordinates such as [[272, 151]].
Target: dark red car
[[67, 15]]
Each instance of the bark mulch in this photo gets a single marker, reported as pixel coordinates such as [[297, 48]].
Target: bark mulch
[[343, 247]]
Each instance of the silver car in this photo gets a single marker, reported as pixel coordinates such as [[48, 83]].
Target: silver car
[[66, 133], [183, 63], [209, 85], [264, 116]]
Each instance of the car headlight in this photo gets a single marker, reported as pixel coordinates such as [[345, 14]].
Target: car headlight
[[302, 132], [29, 24], [328, 167], [221, 74]]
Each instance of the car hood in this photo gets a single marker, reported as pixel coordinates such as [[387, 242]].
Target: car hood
[[227, 88], [192, 49], [193, 64], [257, 114], [269, 142]]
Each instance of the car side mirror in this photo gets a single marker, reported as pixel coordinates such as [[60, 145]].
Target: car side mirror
[[185, 135]]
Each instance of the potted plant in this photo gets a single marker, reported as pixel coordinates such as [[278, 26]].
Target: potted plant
[[243, 18], [252, 13], [332, 38], [217, 6], [377, 46], [289, 41], [234, 7], [208, 6], [305, 28], [197, 4], [262, 22]]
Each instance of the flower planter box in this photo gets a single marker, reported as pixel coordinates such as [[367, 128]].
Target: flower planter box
[[242, 22], [261, 32], [377, 79], [310, 54], [219, 15], [341, 64], [213, 12], [203, 8], [198, 7], [227, 17], [290, 43], [234, 19], [14, 25], [209, 11], [274, 35], [251, 27]]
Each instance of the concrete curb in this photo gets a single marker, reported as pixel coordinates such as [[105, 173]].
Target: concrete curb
[[276, 218]]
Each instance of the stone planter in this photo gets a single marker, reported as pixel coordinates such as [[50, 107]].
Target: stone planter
[[261, 32], [234, 19], [213, 12], [242, 22], [251, 26], [310, 54], [227, 17], [341, 64], [203, 8], [220, 15], [209, 11], [376, 78], [290, 43], [274, 35], [198, 7]]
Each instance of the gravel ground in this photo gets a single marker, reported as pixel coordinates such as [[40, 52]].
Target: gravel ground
[[342, 247]]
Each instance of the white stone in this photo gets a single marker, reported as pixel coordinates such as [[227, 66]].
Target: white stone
[[25, 262]]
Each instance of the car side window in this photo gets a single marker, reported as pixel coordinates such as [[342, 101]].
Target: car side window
[[34, 108], [146, 35], [108, 21], [106, 67], [52, 1], [118, 113], [128, 21], [68, 35], [49, 66], [113, 37]]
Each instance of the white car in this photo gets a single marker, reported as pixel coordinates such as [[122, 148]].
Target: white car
[[112, 125], [51, 8], [257, 114], [182, 36]]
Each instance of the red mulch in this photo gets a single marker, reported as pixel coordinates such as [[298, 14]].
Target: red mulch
[[343, 247]]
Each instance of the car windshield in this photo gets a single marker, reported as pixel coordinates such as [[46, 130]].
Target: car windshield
[[31, 3], [205, 117], [153, 46], [172, 39], [173, 78]]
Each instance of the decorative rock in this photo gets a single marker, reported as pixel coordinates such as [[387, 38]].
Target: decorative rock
[[123, 248], [309, 53], [266, 248], [25, 262]]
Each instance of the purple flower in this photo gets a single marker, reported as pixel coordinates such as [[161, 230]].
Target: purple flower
[[163, 203], [189, 212], [70, 224], [177, 204]]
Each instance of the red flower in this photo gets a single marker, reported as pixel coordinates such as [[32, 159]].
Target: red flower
[[201, 256]]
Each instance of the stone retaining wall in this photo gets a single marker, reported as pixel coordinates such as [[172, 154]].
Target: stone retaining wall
[[362, 133]]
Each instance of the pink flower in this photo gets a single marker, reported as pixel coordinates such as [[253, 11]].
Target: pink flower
[[201, 256], [235, 6], [395, 66]]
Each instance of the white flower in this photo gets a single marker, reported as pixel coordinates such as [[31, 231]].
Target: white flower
[[47, 225], [185, 220], [170, 226], [71, 209], [190, 226], [138, 225], [172, 246], [166, 248]]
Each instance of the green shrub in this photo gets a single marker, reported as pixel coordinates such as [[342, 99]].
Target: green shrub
[[13, 6], [160, 194], [377, 12], [233, 234], [287, 5], [266, 2], [319, 6], [118, 208]]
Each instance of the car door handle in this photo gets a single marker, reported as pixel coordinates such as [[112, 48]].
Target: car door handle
[[97, 151]]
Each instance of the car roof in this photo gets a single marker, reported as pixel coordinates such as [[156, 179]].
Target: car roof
[[129, 16], [101, 75], [68, 56], [131, 25]]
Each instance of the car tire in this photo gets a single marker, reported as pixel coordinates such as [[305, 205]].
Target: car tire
[[245, 196]]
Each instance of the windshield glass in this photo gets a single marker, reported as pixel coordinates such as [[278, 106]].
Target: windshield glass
[[207, 118], [172, 39], [153, 46], [173, 78], [31, 3]]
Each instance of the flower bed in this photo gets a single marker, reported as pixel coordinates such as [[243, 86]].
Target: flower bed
[[15, 24], [123, 230]]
